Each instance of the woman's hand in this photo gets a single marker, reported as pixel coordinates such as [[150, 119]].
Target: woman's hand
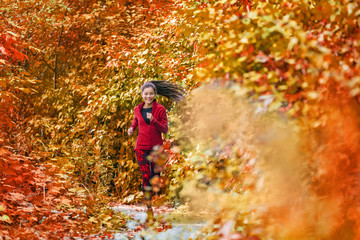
[[149, 116], [130, 131]]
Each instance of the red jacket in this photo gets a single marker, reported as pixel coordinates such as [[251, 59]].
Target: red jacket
[[150, 135]]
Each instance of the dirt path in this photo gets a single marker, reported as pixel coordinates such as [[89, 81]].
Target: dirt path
[[170, 223]]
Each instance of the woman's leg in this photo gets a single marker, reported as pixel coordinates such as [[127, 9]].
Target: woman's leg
[[145, 168], [147, 171]]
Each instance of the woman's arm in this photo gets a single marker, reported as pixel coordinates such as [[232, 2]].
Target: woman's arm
[[134, 123], [133, 126], [161, 124]]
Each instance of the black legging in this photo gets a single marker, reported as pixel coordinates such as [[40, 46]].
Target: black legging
[[146, 167]]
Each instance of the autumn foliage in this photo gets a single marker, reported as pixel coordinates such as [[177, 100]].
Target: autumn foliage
[[295, 58], [35, 202], [70, 73]]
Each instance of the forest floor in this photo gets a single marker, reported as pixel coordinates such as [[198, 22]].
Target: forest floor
[[169, 223]]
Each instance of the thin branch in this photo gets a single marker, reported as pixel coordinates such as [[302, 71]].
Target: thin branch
[[59, 42], [47, 64]]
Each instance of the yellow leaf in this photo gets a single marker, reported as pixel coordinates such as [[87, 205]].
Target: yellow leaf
[[312, 95], [242, 59], [72, 190], [2, 207], [141, 61], [87, 16], [25, 90], [104, 217], [293, 41], [5, 218], [355, 91]]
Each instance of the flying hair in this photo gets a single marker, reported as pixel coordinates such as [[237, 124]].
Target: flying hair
[[167, 89]]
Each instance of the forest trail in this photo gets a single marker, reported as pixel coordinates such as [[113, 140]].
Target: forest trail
[[169, 223]]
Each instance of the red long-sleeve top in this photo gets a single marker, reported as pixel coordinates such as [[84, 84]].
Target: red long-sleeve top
[[150, 134]]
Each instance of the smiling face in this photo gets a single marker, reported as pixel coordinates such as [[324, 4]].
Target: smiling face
[[148, 95]]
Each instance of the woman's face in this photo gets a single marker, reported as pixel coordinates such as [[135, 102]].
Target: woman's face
[[148, 95]]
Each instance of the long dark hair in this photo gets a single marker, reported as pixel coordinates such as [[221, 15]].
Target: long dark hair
[[167, 89]]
